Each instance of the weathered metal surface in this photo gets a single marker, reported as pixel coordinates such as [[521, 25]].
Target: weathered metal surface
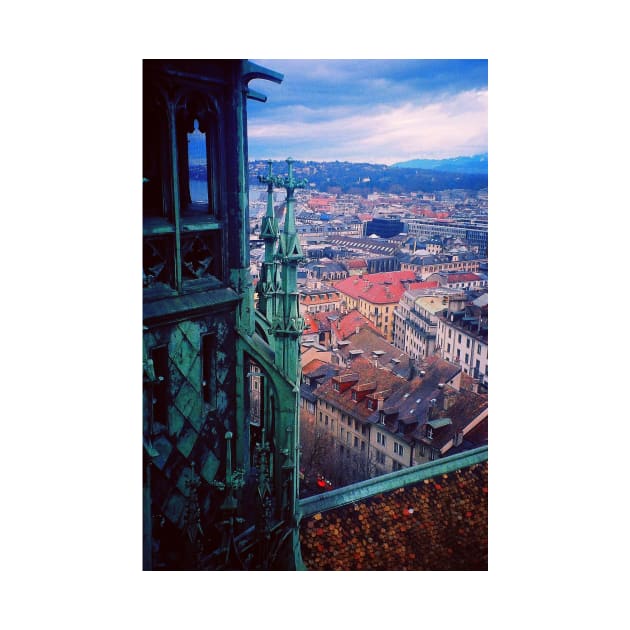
[[197, 283]]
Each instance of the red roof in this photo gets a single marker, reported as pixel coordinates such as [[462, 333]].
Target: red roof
[[319, 202], [310, 324], [424, 285], [357, 263], [462, 277], [312, 365], [349, 324], [378, 288]]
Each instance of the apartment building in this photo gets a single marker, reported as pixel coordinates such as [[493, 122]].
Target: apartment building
[[424, 266], [462, 338], [416, 318], [459, 280], [375, 296], [317, 297], [376, 417]]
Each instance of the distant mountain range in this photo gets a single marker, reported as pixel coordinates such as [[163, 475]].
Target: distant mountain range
[[474, 164]]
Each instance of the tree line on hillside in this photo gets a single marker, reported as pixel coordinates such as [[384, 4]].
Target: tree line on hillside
[[364, 179]]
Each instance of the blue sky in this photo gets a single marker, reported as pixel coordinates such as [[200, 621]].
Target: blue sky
[[379, 111]]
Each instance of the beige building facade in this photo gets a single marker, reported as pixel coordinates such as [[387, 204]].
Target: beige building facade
[[416, 319], [464, 345]]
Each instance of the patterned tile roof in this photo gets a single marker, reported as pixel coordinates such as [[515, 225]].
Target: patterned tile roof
[[432, 517]]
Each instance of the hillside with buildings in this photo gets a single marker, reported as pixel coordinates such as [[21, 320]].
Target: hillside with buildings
[[363, 179]]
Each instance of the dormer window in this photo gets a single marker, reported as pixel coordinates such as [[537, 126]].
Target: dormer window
[[336, 386], [429, 433], [371, 404], [354, 396]]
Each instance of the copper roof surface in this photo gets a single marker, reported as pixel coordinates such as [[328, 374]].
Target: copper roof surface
[[435, 523]]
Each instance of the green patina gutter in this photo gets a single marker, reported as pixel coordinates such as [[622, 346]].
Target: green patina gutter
[[391, 481]]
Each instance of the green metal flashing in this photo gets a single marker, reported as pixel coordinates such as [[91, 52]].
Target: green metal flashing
[[391, 481], [184, 307], [439, 422]]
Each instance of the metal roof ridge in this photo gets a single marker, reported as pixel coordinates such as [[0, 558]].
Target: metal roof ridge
[[390, 481]]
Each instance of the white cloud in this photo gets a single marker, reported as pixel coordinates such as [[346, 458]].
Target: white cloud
[[457, 125]]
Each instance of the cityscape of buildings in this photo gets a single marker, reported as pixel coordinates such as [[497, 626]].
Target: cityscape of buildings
[[394, 292], [305, 352]]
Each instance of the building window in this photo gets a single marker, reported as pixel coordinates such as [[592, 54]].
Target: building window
[[448, 347], [432, 455], [356, 442], [356, 425], [342, 432], [197, 165], [459, 338], [326, 421], [362, 445], [380, 457], [398, 449], [468, 342], [449, 333], [320, 416], [466, 358], [429, 432], [380, 438], [336, 386], [396, 466], [363, 429]]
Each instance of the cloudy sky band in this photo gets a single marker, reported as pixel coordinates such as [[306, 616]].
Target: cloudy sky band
[[379, 111]]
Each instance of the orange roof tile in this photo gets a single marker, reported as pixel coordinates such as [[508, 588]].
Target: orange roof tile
[[436, 524], [312, 365], [348, 325], [378, 288]]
